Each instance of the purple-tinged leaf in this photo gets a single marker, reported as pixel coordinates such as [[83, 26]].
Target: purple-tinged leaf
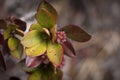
[[1, 39], [76, 33], [21, 24], [28, 70], [33, 61], [2, 61], [68, 49], [3, 24]]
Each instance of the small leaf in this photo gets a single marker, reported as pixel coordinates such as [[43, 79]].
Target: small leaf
[[47, 31], [44, 72], [53, 32], [68, 49], [48, 7], [37, 75], [45, 19], [35, 27], [1, 39], [21, 24], [17, 53], [9, 30], [19, 32], [55, 53], [57, 76], [33, 62], [13, 43], [3, 24], [32, 38], [76, 33], [22, 64], [36, 50], [2, 61]]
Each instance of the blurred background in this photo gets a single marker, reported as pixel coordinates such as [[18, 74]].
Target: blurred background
[[97, 59]]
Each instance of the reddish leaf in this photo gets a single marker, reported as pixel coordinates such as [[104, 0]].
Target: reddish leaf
[[21, 24], [68, 49], [76, 33], [2, 61], [33, 61], [3, 24], [1, 39]]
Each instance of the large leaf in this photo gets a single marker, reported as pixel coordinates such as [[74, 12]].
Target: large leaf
[[33, 61], [32, 38], [13, 43], [9, 30], [76, 33], [55, 53], [3, 24], [2, 61], [68, 49], [21, 24], [48, 7], [36, 50], [1, 39], [45, 19], [17, 53]]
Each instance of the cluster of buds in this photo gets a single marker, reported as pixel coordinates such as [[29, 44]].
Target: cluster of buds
[[61, 37]]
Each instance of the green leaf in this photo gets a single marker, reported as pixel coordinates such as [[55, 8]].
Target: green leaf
[[32, 38], [9, 30], [35, 75], [76, 33], [36, 50], [53, 32], [48, 7], [3, 24], [55, 53], [17, 53], [57, 76], [13, 43], [19, 32], [45, 19], [35, 26]]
